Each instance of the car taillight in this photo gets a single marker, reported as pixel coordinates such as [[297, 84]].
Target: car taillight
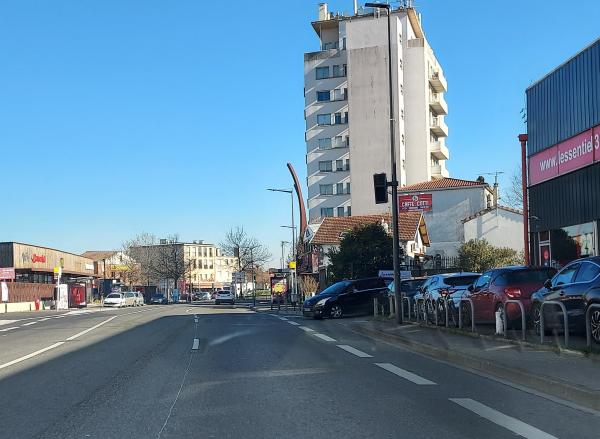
[[444, 292], [512, 292]]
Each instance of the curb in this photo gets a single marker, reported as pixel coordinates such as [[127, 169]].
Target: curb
[[540, 383]]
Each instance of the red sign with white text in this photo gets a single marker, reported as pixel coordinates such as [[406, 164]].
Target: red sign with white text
[[415, 203], [572, 154], [38, 258]]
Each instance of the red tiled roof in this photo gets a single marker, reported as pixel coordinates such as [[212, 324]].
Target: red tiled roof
[[442, 183], [332, 227]]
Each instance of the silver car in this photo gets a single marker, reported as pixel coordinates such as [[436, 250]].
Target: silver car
[[129, 298]]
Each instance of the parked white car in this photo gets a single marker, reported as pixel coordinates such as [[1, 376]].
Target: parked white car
[[129, 298], [224, 297], [116, 300]]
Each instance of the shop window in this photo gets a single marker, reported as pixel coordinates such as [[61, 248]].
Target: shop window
[[571, 243]]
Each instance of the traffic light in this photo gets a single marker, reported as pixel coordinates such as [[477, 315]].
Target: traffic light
[[381, 193]]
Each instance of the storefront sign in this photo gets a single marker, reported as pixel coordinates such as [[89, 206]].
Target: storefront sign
[[38, 258], [7, 273], [572, 154], [415, 203]]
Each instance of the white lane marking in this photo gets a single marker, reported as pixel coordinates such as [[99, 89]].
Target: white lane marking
[[73, 337], [356, 352], [405, 374], [7, 322], [294, 323], [9, 329], [306, 329], [33, 354], [324, 337], [512, 424], [58, 317], [196, 344], [497, 348], [44, 319], [272, 315], [29, 324], [283, 318]]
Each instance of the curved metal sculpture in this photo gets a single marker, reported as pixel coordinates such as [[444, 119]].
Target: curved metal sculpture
[[301, 207]]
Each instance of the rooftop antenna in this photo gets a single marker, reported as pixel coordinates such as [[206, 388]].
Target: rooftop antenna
[[496, 195]]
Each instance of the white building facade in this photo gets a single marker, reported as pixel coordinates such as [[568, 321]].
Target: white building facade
[[347, 109]]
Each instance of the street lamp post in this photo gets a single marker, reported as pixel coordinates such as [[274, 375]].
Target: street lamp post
[[394, 182], [293, 227]]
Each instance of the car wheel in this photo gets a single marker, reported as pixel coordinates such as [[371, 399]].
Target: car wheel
[[430, 310], [536, 318], [336, 311], [595, 325]]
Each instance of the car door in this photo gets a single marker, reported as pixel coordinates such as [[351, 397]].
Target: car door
[[347, 298], [479, 296], [561, 288]]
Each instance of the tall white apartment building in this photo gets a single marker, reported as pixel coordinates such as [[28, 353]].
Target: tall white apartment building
[[347, 109]]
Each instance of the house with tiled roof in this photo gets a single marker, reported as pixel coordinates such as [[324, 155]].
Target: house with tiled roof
[[326, 234], [463, 210]]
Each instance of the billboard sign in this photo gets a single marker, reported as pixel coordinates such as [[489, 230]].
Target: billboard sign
[[575, 153], [415, 203], [7, 273]]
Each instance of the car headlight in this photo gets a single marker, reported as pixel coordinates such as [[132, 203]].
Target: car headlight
[[322, 302]]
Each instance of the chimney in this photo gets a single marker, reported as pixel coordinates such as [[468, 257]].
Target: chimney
[[323, 12], [355, 7], [496, 194]]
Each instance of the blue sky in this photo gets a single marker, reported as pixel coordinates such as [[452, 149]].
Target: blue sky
[[118, 117]]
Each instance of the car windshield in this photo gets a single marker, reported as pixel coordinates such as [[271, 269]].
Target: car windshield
[[113, 296], [525, 276], [411, 285], [457, 281], [335, 289]]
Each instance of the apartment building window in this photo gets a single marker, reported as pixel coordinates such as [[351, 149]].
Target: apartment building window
[[331, 45], [339, 165], [325, 143], [338, 118], [322, 72], [347, 188], [323, 119], [434, 161], [325, 166], [337, 71], [326, 211], [347, 140], [339, 142], [349, 210], [347, 167], [340, 211], [346, 117], [323, 96], [344, 43], [326, 189], [339, 189]]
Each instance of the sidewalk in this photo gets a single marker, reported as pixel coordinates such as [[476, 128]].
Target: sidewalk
[[565, 374]]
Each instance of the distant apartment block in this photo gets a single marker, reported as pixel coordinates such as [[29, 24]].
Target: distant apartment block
[[347, 109]]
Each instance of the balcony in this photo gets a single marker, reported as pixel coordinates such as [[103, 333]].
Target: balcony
[[439, 127], [438, 103], [437, 172], [438, 81], [439, 150]]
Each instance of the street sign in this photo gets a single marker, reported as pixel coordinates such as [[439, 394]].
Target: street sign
[[415, 203], [238, 277], [292, 265]]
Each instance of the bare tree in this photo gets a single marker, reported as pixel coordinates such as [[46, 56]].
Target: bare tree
[[251, 251], [514, 194], [169, 262], [138, 257]]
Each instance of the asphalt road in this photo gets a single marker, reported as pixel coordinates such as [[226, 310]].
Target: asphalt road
[[206, 371]]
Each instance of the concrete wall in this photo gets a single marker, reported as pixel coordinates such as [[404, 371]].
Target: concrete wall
[[444, 222], [499, 227], [369, 106]]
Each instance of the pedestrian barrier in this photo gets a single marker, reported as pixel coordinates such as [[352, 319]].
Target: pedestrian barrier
[[408, 302], [392, 305], [588, 326], [446, 310], [505, 317], [417, 312], [565, 320], [375, 306], [466, 299]]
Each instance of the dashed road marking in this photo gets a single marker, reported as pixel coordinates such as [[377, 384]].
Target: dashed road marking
[[196, 344], [498, 418], [497, 348], [354, 351], [405, 374], [293, 323], [29, 324], [44, 319], [306, 329], [283, 318], [9, 329], [324, 337]]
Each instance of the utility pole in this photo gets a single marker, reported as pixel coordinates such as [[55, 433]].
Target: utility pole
[[253, 281], [394, 182]]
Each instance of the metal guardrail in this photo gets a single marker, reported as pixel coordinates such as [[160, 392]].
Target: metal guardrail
[[588, 325], [565, 320], [505, 317], [466, 299]]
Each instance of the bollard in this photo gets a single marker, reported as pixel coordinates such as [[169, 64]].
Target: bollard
[[523, 321], [408, 302], [392, 306], [375, 307], [565, 320]]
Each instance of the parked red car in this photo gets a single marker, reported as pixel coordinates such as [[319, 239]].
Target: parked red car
[[494, 287]]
